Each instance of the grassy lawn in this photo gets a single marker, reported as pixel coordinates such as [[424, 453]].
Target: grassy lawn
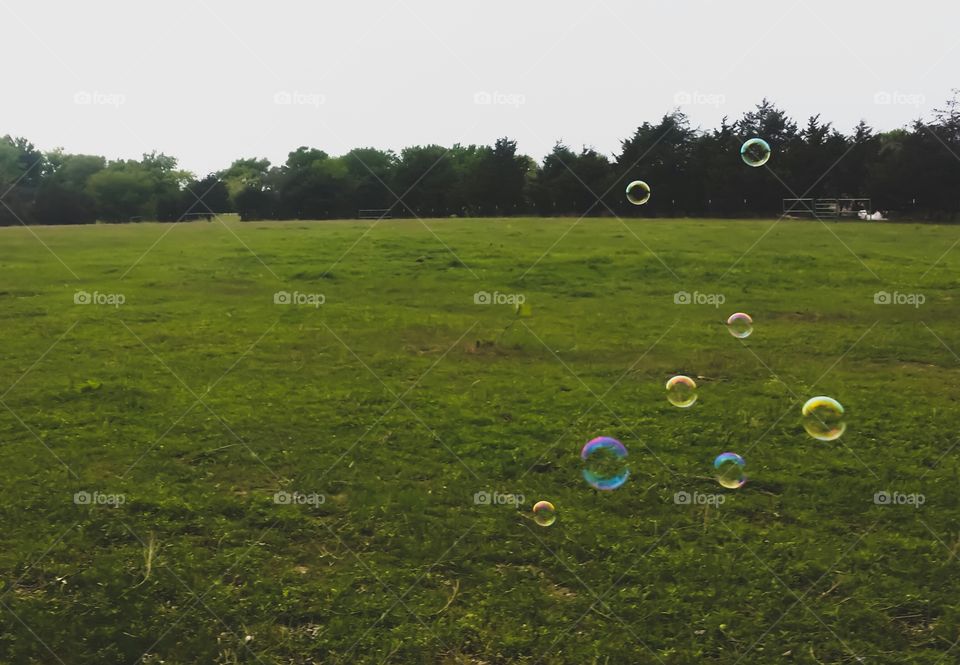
[[144, 444]]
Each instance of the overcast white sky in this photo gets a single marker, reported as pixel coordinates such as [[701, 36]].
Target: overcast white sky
[[209, 81]]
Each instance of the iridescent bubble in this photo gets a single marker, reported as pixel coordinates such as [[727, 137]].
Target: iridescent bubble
[[823, 418], [604, 463], [755, 152], [682, 391], [740, 325], [638, 192], [544, 513], [729, 469]]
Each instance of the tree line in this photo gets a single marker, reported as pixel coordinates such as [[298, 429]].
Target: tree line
[[910, 172]]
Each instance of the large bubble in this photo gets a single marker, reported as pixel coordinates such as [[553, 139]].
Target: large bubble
[[823, 418], [755, 152], [682, 391], [604, 463], [740, 325], [638, 192]]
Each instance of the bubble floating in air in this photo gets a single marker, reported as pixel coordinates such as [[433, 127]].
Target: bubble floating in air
[[740, 325], [755, 152], [730, 470], [638, 192], [823, 418], [604, 463], [682, 391], [544, 513]]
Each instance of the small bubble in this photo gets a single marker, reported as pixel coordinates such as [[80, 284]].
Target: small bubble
[[544, 513], [729, 470]]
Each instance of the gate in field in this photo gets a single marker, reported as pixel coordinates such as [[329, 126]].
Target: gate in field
[[825, 208], [374, 213]]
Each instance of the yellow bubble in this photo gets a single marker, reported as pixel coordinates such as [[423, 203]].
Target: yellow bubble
[[544, 513], [682, 391], [823, 418]]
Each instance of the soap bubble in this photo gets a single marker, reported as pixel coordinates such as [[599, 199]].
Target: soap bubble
[[682, 391], [823, 418], [544, 513], [638, 192], [729, 470], [740, 325], [755, 152], [604, 463]]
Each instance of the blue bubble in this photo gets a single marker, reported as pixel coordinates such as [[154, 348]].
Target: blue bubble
[[755, 152], [605, 463]]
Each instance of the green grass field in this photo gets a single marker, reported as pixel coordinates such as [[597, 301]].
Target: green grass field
[[391, 405]]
